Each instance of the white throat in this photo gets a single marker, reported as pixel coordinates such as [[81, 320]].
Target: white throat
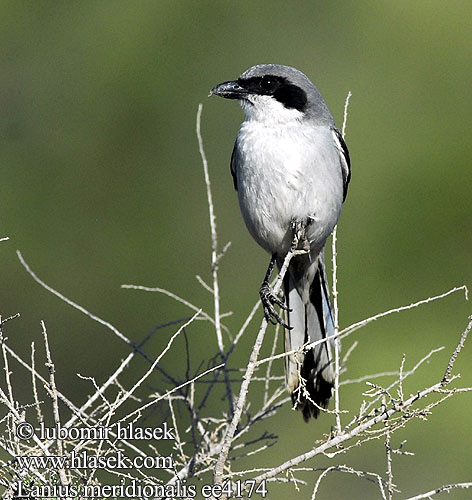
[[264, 108]]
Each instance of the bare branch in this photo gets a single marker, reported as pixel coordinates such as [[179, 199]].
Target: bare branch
[[457, 350], [39, 413], [53, 395], [214, 238], [215, 258], [388, 452], [352, 328], [337, 345], [125, 396], [442, 489], [70, 302], [370, 476]]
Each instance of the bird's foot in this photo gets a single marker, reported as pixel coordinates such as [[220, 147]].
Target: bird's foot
[[300, 242], [269, 299]]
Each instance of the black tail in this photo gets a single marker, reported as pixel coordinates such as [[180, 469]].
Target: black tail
[[309, 374]]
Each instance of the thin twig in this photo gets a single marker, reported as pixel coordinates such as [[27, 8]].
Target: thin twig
[[442, 489], [388, 451], [343, 468], [127, 394], [71, 302], [457, 350], [214, 260], [139, 410], [372, 376], [172, 295], [11, 400], [214, 236], [244, 326], [39, 414], [337, 346], [346, 106], [53, 395], [355, 326], [268, 377]]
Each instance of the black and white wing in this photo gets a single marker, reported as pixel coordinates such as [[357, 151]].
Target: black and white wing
[[345, 159]]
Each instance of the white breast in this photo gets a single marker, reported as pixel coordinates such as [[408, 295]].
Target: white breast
[[286, 172]]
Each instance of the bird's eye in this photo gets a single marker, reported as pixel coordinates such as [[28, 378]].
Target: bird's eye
[[267, 83]]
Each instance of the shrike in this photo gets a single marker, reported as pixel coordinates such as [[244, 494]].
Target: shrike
[[291, 169]]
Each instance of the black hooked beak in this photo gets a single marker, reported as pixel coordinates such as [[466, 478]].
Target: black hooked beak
[[229, 90]]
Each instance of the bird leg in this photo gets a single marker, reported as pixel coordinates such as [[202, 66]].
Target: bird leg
[[300, 245], [268, 298]]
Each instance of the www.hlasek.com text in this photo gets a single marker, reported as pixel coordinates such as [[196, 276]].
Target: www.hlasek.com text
[[83, 460]]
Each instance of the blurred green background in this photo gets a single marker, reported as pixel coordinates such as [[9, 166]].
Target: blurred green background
[[102, 184]]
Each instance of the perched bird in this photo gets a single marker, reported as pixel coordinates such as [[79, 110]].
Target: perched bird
[[291, 169]]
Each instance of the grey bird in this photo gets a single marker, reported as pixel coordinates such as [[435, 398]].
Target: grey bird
[[291, 169]]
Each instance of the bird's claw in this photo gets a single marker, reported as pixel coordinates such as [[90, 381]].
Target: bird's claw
[[268, 299], [300, 240]]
